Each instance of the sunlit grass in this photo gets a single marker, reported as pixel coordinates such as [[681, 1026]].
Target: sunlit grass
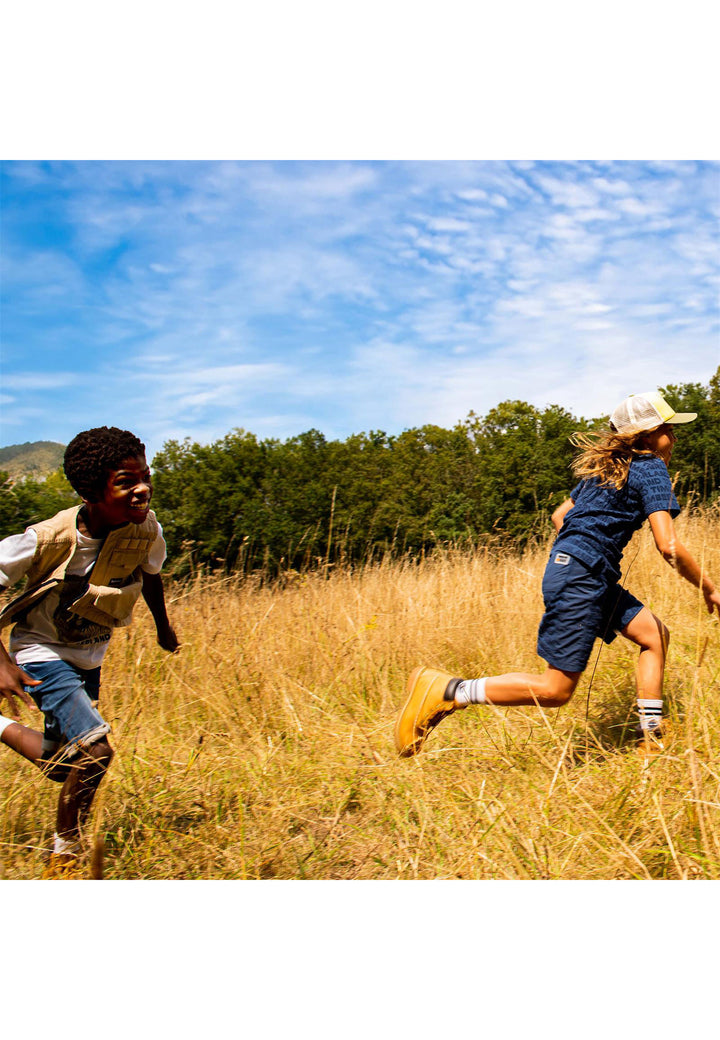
[[264, 749]]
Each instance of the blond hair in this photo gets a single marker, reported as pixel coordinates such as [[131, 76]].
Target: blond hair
[[607, 455]]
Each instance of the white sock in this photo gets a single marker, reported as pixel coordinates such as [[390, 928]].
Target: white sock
[[62, 847], [4, 723], [650, 712], [470, 691]]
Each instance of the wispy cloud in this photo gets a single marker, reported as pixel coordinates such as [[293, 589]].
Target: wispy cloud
[[22, 382], [186, 299]]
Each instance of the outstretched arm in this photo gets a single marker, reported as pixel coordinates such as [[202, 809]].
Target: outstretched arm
[[154, 596], [672, 549]]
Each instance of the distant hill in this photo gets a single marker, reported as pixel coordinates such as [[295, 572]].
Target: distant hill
[[34, 459]]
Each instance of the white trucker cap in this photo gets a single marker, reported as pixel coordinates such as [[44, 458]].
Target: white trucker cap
[[646, 412]]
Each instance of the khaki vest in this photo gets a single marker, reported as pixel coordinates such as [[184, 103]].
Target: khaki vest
[[116, 575]]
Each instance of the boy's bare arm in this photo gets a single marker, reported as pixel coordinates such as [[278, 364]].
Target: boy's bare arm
[[154, 596], [12, 682], [672, 549]]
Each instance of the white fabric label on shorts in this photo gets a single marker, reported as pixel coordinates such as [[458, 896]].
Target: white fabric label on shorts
[[562, 558]]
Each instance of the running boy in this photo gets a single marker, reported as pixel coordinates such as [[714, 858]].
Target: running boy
[[623, 480], [86, 568]]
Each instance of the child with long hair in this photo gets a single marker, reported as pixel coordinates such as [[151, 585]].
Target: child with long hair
[[623, 480]]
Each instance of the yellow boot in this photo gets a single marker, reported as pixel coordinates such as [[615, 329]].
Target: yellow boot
[[431, 697], [63, 866]]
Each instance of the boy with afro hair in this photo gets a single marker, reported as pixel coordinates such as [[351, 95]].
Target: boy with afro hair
[[85, 568]]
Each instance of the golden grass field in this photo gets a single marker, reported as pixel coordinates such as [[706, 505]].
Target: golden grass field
[[264, 749]]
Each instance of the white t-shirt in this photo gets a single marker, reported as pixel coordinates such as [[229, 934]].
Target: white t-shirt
[[45, 634]]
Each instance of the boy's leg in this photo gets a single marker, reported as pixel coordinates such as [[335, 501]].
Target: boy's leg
[[574, 603], [73, 749], [81, 774], [60, 681], [650, 634], [34, 746], [432, 695], [87, 769], [552, 689], [26, 741]]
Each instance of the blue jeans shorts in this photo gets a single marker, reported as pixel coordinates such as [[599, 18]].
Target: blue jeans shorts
[[66, 699], [581, 604]]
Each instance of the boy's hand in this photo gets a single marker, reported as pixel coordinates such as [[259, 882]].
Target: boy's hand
[[712, 601], [12, 683], [167, 639], [154, 596]]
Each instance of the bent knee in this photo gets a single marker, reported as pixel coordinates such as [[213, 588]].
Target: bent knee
[[557, 698], [559, 688], [99, 754], [658, 638], [648, 632]]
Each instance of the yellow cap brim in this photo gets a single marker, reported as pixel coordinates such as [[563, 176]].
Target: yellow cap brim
[[681, 417]]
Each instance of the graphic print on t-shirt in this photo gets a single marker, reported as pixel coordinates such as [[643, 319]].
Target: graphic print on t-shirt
[[71, 628]]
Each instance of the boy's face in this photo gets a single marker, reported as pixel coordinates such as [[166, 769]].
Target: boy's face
[[127, 494]]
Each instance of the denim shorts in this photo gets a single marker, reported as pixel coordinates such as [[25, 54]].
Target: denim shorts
[[66, 699], [581, 604]]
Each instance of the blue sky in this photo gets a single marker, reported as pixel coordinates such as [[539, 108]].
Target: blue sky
[[185, 299]]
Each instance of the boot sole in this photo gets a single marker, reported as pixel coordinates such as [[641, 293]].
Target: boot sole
[[408, 750]]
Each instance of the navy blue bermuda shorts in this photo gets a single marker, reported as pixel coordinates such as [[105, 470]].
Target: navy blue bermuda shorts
[[581, 605]]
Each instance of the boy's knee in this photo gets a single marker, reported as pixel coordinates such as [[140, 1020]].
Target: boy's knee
[[559, 688], [101, 752], [661, 637], [95, 758], [557, 698]]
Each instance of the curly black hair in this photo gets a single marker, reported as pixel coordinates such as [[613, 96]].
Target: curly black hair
[[92, 454]]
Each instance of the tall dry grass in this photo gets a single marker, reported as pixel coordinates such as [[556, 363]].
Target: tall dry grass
[[264, 749]]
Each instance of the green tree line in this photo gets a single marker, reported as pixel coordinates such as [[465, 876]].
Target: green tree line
[[24, 502], [244, 502]]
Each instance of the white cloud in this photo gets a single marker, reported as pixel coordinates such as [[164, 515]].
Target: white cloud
[[611, 187], [345, 296], [473, 195], [568, 193], [448, 224], [315, 184], [636, 208], [42, 381], [588, 216], [40, 277]]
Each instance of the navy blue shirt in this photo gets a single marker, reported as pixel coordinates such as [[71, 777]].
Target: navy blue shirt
[[603, 519]]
